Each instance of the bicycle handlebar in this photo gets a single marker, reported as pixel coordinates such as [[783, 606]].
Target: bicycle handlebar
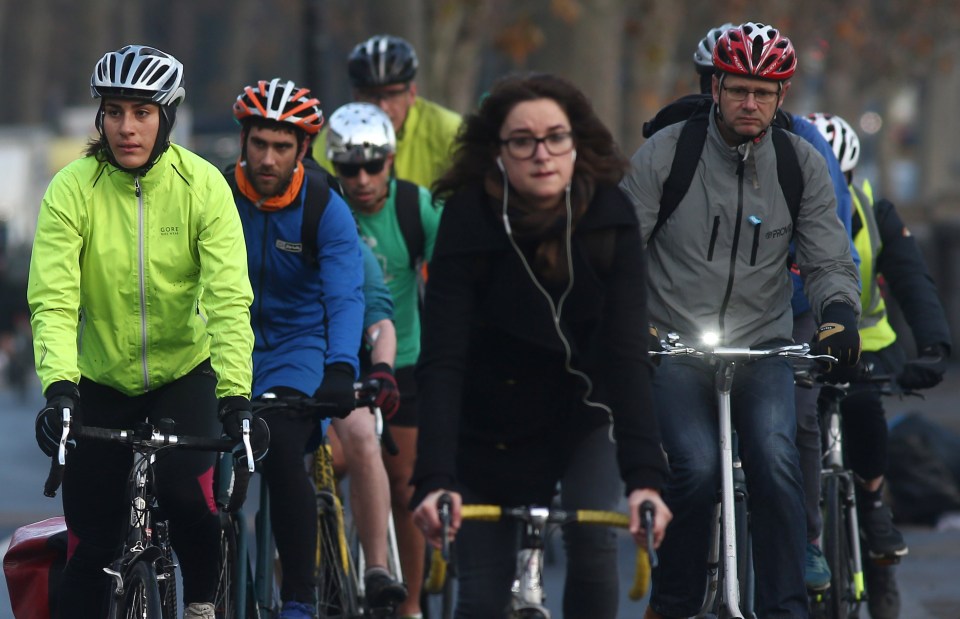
[[543, 515], [146, 438], [795, 351]]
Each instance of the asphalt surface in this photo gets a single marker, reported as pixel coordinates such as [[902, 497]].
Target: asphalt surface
[[927, 577]]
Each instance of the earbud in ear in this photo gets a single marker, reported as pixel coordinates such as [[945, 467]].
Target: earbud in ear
[[500, 165], [573, 156]]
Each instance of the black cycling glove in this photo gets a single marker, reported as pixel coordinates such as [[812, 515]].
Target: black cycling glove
[[925, 371], [232, 410], [63, 394], [337, 389], [837, 335]]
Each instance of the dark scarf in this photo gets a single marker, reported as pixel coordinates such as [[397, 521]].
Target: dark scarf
[[543, 228]]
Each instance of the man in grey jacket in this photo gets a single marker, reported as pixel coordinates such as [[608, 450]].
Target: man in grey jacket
[[717, 265]]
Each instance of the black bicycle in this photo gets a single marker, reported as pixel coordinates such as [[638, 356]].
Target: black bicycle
[[144, 575], [841, 528], [256, 581]]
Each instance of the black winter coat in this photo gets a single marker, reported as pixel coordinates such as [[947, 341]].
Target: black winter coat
[[498, 410]]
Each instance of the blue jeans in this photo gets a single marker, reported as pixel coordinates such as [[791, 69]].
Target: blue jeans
[[765, 418]]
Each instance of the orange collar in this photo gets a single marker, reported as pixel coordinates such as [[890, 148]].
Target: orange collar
[[273, 203]]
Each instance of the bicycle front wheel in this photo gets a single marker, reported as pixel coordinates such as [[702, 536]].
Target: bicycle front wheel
[[336, 587], [836, 544], [141, 595]]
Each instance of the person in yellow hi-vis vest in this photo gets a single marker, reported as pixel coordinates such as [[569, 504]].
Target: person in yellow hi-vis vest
[[889, 258]]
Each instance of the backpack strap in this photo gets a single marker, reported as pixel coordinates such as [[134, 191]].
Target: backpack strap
[[788, 172], [684, 166], [314, 204], [407, 203]]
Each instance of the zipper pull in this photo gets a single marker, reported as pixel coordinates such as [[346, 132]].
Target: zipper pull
[[136, 184]]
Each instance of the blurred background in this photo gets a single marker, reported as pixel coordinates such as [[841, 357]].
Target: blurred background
[[890, 67]]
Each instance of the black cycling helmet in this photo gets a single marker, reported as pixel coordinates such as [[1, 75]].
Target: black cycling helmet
[[382, 60]]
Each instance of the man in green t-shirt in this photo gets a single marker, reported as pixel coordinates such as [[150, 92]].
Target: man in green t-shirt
[[361, 145], [382, 71]]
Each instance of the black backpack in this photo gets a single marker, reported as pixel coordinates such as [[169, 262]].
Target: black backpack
[[695, 110]]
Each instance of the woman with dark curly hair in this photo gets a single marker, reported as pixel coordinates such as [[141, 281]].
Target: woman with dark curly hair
[[535, 341]]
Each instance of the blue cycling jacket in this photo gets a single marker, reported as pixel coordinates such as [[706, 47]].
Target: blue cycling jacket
[[303, 318]]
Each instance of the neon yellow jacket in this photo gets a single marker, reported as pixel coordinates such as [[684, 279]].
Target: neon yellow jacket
[[423, 145], [118, 270]]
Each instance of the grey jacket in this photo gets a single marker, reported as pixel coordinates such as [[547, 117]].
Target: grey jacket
[[719, 263]]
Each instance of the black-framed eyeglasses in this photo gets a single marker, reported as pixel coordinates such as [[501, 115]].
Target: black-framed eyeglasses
[[376, 96], [525, 146], [350, 170], [738, 93]]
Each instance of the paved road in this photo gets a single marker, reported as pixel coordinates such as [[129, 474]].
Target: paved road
[[927, 577]]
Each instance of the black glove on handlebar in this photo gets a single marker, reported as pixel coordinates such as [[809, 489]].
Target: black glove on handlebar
[[337, 389], [49, 423], [927, 370], [232, 410], [837, 335]]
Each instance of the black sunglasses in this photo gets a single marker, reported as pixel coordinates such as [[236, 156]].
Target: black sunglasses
[[353, 169]]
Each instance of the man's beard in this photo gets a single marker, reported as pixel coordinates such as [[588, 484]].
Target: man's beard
[[279, 191]]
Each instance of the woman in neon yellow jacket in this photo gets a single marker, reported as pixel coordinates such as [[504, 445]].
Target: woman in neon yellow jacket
[[139, 301]]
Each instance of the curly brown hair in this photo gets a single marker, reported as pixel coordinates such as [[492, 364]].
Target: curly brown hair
[[478, 141]]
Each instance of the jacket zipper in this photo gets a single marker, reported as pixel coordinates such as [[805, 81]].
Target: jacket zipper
[[733, 249], [143, 288]]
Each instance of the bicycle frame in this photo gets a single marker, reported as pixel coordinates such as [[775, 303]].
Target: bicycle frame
[[146, 558], [724, 551], [527, 593]]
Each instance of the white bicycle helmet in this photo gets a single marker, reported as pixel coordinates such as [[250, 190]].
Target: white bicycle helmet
[[139, 72], [703, 57], [360, 132], [840, 136]]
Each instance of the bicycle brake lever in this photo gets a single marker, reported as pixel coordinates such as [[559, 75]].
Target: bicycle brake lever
[[247, 446], [444, 505], [62, 449], [646, 521]]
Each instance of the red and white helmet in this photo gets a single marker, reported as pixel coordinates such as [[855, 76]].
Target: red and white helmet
[[755, 50]]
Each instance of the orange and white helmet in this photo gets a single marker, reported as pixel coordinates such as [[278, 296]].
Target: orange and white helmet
[[280, 100]]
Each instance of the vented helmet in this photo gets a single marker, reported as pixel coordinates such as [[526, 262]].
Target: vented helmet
[[360, 132], [280, 100], [703, 57], [381, 60], [139, 72], [840, 136], [755, 50]]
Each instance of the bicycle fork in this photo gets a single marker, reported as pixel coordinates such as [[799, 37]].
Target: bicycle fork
[[527, 600]]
